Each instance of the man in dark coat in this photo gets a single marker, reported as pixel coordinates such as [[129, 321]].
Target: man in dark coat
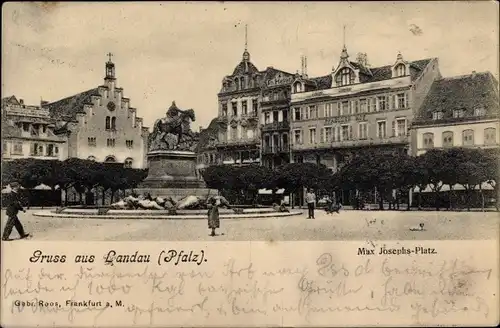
[[13, 207]]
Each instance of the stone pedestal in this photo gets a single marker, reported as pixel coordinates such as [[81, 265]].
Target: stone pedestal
[[173, 173]]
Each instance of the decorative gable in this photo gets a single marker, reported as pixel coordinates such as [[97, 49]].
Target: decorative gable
[[400, 67], [345, 73]]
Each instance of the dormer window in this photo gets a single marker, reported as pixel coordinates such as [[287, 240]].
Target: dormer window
[[400, 70], [297, 87], [479, 111], [437, 115], [344, 77], [457, 113]]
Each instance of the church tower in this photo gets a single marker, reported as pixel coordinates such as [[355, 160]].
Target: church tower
[[110, 69]]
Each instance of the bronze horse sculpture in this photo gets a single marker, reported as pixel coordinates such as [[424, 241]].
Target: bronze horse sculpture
[[177, 124]]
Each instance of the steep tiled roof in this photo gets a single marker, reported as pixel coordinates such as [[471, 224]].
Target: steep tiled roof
[[323, 82], [377, 73], [245, 67], [67, 108], [12, 100], [461, 92], [211, 131]]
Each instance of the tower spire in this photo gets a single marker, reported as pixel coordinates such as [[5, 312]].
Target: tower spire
[[344, 55], [343, 38], [246, 54], [246, 37]]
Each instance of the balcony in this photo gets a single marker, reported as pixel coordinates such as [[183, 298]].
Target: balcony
[[276, 126], [267, 101], [238, 142], [354, 143], [275, 150]]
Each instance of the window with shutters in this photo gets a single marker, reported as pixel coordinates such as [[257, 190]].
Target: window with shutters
[[363, 106], [346, 132], [344, 110], [312, 112], [401, 127], [490, 136], [329, 110], [468, 137], [363, 130], [381, 103], [296, 114], [328, 134], [428, 140], [401, 100], [447, 139], [381, 129], [297, 137], [354, 106], [312, 135]]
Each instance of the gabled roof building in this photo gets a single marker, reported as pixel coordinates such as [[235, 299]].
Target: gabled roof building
[[101, 125]]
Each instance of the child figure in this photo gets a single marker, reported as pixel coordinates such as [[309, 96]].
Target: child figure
[[213, 216]]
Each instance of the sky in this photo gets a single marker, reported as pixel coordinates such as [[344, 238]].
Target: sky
[[181, 51]]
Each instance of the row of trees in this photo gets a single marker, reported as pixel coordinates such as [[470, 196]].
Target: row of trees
[[82, 175], [370, 170]]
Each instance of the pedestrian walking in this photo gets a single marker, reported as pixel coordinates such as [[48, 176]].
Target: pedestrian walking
[[213, 215], [311, 202], [13, 207]]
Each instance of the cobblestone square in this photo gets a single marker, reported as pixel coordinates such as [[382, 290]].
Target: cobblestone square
[[348, 225]]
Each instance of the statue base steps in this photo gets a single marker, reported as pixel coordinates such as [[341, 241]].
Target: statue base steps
[[173, 173]]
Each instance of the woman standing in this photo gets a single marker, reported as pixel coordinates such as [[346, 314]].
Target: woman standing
[[213, 216]]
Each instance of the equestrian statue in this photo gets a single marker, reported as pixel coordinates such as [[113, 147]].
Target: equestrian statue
[[173, 132]]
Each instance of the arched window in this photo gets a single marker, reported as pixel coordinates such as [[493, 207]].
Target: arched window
[[344, 77], [490, 136], [113, 123], [110, 159], [108, 123], [128, 163], [468, 137], [400, 70], [297, 87], [428, 140], [91, 158], [447, 139]]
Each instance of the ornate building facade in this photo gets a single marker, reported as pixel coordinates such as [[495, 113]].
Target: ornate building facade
[[101, 125], [460, 111], [275, 117], [28, 132], [239, 134], [357, 106]]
